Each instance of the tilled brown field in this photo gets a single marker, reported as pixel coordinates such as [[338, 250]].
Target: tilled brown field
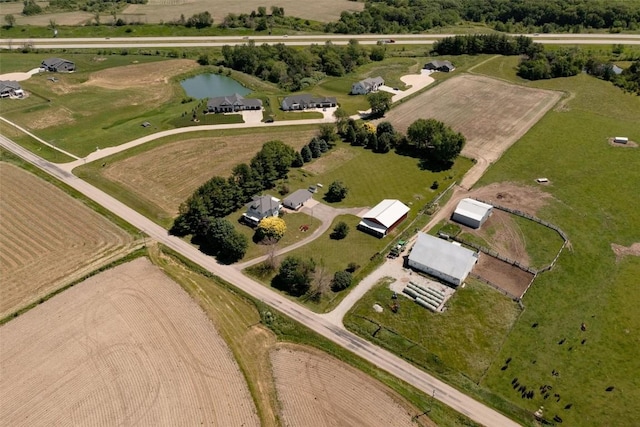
[[125, 347], [47, 238], [160, 176], [168, 10], [491, 114], [317, 390]]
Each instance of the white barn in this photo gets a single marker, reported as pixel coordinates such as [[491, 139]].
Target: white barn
[[471, 213], [384, 217], [442, 259]]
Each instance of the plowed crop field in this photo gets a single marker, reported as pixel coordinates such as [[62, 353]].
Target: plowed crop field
[[125, 347], [47, 238], [315, 389], [160, 176]]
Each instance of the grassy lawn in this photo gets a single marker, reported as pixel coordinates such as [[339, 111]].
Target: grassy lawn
[[595, 190], [372, 177], [236, 316], [332, 255], [33, 145], [294, 234], [542, 243]]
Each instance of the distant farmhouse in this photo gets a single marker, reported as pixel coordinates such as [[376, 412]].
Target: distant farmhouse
[[366, 86], [261, 207], [58, 65], [384, 217], [305, 101], [471, 213], [444, 66], [297, 199], [442, 259], [232, 103], [10, 89]]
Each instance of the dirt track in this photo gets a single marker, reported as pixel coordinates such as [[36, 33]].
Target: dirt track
[[317, 390], [125, 347], [47, 238]]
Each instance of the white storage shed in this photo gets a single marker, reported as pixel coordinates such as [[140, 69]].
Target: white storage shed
[[471, 213]]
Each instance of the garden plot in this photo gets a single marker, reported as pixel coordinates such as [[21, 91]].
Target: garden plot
[[125, 347], [47, 239]]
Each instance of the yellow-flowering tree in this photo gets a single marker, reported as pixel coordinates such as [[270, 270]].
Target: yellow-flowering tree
[[271, 228]]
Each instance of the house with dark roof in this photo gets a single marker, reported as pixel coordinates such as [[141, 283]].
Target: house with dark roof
[[58, 65], [232, 103], [261, 207], [366, 86], [10, 89], [304, 101], [436, 65], [297, 199]]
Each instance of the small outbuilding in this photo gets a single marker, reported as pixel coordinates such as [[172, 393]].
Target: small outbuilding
[[471, 213], [442, 259], [261, 207], [58, 65], [297, 199], [620, 139], [384, 217]]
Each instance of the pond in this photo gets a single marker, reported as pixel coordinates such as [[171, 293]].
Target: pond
[[212, 85]]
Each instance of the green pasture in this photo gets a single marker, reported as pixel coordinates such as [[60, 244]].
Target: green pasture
[[372, 177], [32, 144], [332, 255], [595, 201], [464, 339]]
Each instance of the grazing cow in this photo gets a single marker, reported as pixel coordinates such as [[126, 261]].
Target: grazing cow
[[610, 388], [561, 341], [568, 406]]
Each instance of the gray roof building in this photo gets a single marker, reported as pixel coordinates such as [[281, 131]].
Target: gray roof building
[[261, 207], [367, 85], [230, 103], [296, 199], [10, 88], [438, 65], [305, 100], [58, 65], [442, 259]]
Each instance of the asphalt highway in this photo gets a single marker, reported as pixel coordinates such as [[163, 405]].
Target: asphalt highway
[[336, 333], [293, 40]]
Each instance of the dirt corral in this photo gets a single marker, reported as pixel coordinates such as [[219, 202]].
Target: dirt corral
[[505, 276], [125, 347], [317, 390], [47, 239], [160, 175]]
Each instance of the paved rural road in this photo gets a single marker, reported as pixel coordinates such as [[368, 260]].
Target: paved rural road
[[379, 357], [293, 40]]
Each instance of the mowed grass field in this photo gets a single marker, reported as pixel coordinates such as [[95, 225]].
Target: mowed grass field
[[48, 239], [126, 346], [490, 113], [595, 201], [153, 177]]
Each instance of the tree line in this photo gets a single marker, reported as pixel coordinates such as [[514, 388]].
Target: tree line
[[494, 44], [294, 69], [398, 16], [628, 80]]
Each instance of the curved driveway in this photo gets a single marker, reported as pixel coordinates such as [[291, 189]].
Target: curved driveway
[[368, 351]]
